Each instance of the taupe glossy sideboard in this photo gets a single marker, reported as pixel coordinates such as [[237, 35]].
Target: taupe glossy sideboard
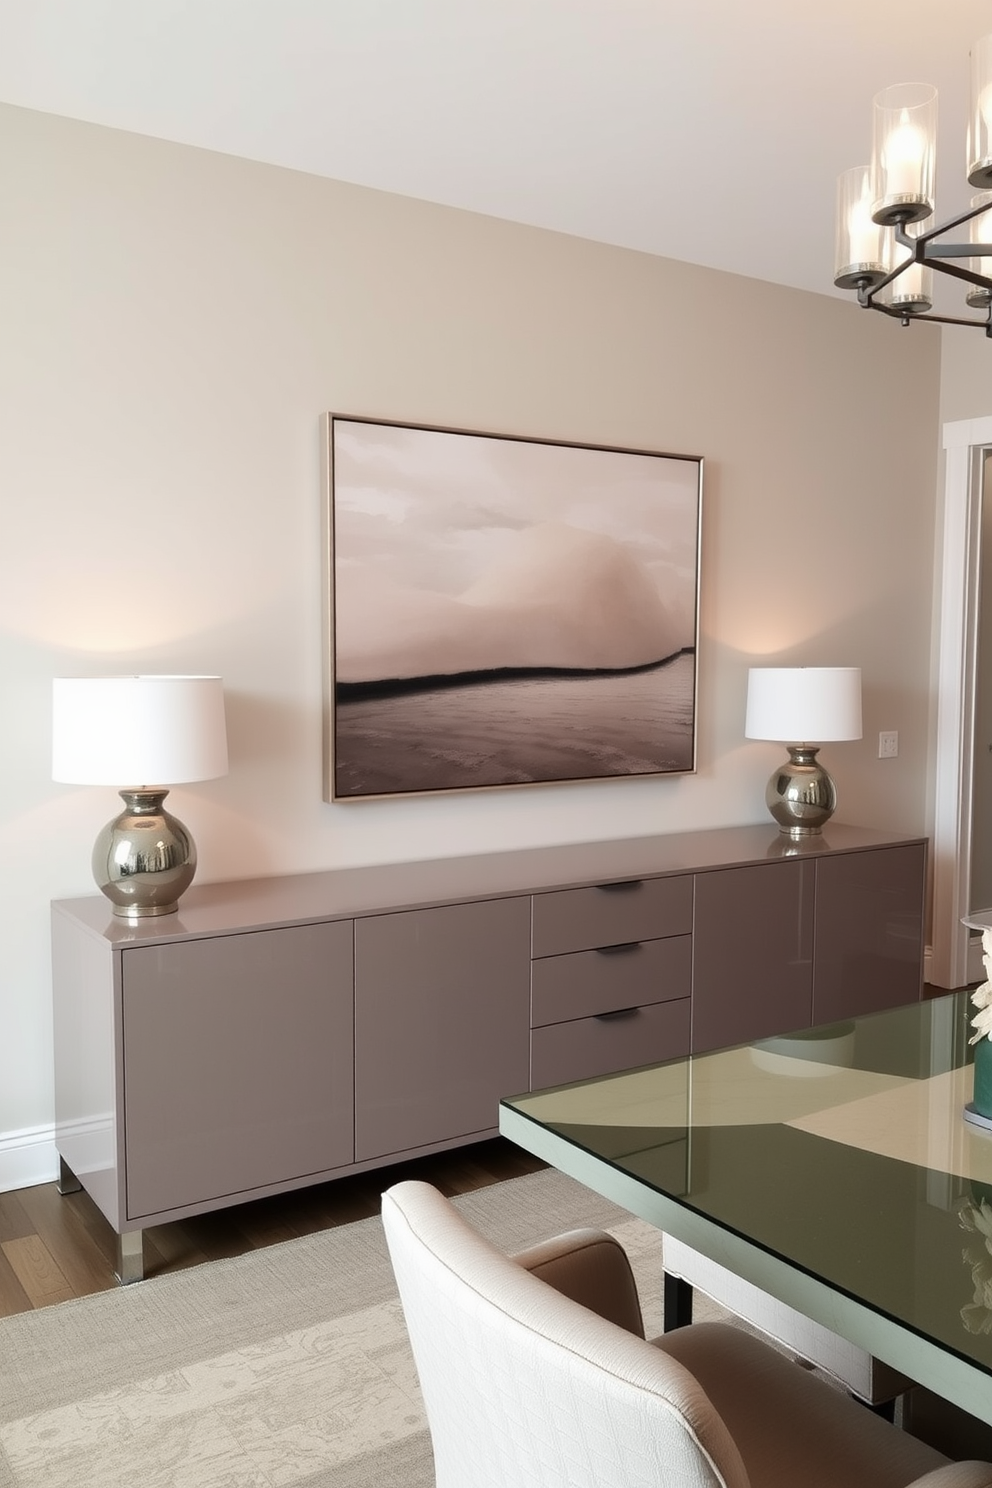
[[281, 1032]]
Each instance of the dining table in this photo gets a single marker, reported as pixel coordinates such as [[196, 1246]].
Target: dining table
[[841, 1169]]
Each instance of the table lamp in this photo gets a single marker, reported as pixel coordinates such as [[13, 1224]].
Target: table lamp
[[142, 735], [812, 705]]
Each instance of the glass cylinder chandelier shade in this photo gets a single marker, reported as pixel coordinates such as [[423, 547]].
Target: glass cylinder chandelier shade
[[980, 128], [904, 148], [911, 291], [858, 255], [980, 231]]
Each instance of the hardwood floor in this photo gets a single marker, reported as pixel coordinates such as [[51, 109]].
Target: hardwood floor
[[53, 1248]]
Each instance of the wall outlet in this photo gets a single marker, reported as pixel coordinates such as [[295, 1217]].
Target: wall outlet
[[888, 744]]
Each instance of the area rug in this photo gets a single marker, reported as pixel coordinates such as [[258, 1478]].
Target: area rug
[[287, 1366]]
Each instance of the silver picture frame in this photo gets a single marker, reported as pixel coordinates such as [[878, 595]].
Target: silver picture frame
[[503, 611]]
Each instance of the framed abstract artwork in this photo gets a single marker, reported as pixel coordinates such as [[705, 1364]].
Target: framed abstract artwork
[[503, 611]]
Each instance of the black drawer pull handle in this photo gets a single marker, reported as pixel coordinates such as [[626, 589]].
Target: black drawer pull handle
[[617, 1013], [621, 886], [617, 950]]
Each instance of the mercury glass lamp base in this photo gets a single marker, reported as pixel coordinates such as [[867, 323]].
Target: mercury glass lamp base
[[145, 859], [800, 794]]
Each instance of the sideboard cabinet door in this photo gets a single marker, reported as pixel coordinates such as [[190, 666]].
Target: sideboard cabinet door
[[237, 1063], [869, 931], [752, 952], [442, 1027]]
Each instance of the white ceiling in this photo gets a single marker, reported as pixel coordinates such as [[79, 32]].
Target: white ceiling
[[706, 130]]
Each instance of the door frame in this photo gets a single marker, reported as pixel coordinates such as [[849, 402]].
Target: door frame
[[966, 444]]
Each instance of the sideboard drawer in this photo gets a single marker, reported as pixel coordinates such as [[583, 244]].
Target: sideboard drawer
[[584, 983], [610, 914], [586, 1047]]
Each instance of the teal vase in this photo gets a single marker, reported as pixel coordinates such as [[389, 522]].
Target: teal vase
[[982, 1099]]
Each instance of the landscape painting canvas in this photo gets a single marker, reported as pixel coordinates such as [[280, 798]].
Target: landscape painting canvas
[[506, 611]]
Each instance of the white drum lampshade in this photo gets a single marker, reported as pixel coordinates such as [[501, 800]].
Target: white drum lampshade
[[141, 734], [803, 707]]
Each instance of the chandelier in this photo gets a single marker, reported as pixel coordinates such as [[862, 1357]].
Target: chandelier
[[886, 249]]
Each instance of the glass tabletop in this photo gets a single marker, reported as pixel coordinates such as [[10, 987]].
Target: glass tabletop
[[842, 1151]]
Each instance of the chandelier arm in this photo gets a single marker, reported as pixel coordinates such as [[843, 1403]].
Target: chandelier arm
[[982, 280], [933, 251], [907, 319], [957, 320], [924, 250], [868, 290], [935, 232]]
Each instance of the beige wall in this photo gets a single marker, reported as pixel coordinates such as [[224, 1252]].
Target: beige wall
[[173, 324], [966, 375], [966, 393]]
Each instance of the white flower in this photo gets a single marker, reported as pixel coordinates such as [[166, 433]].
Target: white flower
[[976, 1316], [977, 1217], [981, 1022], [982, 996]]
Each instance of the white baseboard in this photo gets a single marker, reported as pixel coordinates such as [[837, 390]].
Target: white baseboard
[[976, 961], [28, 1157]]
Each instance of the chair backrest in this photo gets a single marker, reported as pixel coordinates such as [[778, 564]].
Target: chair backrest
[[525, 1388]]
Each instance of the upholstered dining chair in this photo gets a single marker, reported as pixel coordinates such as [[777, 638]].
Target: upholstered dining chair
[[536, 1374]]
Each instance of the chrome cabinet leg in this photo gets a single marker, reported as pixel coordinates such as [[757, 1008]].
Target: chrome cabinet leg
[[130, 1257], [67, 1182]]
